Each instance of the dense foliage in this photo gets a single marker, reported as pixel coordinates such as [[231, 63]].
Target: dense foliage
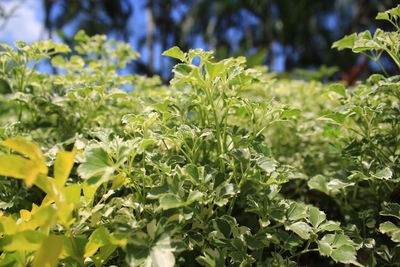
[[226, 166]]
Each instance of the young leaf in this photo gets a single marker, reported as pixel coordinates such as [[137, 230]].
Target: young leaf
[[345, 42], [175, 52]]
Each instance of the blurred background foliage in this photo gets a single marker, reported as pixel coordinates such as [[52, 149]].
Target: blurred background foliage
[[293, 36]]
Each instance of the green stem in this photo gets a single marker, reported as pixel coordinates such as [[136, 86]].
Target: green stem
[[220, 148]]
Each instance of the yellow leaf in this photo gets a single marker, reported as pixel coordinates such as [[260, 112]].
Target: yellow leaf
[[23, 241], [73, 193], [14, 166], [47, 200], [34, 208], [89, 190], [100, 237], [64, 214], [62, 166], [44, 218], [20, 167], [24, 147], [119, 180], [50, 250], [31, 175], [8, 225], [25, 215]]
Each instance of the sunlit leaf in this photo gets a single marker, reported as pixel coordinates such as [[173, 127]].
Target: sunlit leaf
[[175, 52], [19, 167], [62, 166]]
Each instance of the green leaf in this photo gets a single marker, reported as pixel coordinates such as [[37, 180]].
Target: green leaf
[[344, 254], [158, 191], [253, 243], [391, 209], [324, 248], [337, 240], [390, 15], [193, 196], [222, 226], [211, 258], [104, 253], [175, 52], [300, 228], [170, 201], [383, 174], [319, 183], [193, 171], [100, 237], [338, 88], [97, 163], [296, 212], [383, 16], [138, 249], [159, 254], [335, 185], [290, 113], [58, 61], [50, 250], [330, 226], [267, 164], [316, 216], [182, 70], [365, 42], [336, 117], [215, 69], [152, 228], [391, 230], [345, 42]]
